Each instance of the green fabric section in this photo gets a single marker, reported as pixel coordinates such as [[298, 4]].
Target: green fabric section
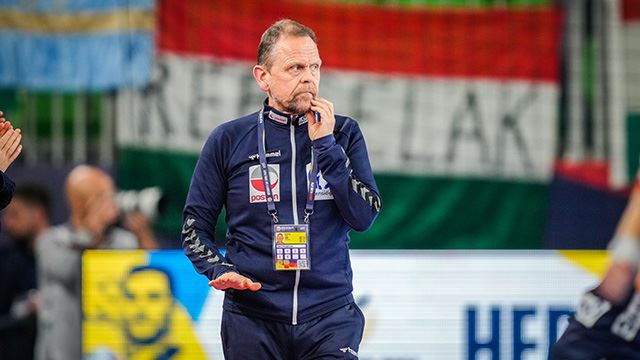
[[138, 169], [456, 3], [456, 213], [8, 101], [633, 144], [418, 212], [18, 103]]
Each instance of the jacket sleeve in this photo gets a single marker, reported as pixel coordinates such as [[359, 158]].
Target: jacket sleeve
[[203, 205], [350, 178], [6, 190]]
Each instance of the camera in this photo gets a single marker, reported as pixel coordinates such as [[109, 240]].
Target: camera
[[148, 201]]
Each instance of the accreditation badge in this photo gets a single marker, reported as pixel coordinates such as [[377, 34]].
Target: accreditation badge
[[291, 247]]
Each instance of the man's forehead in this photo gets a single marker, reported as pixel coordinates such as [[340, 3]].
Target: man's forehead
[[296, 46]]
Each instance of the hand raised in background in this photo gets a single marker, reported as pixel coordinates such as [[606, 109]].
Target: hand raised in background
[[140, 226], [10, 146]]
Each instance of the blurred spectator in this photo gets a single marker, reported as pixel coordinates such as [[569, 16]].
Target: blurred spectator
[[26, 217], [94, 215]]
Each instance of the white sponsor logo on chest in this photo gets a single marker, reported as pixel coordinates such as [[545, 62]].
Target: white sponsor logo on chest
[[256, 184], [271, 154]]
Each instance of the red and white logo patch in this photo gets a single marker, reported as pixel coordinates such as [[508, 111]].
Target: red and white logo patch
[[256, 184], [279, 118]]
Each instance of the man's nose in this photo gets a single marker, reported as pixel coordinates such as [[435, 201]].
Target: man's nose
[[307, 75]]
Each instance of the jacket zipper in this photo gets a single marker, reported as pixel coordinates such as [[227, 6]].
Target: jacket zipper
[[294, 203]]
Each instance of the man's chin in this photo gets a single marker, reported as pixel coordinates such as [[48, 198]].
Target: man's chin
[[299, 108]]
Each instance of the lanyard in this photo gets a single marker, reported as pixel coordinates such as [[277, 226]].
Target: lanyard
[[264, 171]]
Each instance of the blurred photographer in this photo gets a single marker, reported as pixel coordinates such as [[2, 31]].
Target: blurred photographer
[[94, 214]]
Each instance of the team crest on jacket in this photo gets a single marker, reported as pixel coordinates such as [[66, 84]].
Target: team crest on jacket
[[323, 192], [256, 184]]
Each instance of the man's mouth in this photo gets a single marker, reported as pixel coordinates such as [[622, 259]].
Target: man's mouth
[[310, 93]]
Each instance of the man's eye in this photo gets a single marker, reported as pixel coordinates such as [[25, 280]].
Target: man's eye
[[315, 67]]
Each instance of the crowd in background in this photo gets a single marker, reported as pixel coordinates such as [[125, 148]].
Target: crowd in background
[[40, 264]]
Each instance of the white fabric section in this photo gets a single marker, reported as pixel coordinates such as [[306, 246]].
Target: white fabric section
[[632, 65], [412, 125]]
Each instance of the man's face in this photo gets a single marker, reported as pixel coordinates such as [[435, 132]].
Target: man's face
[[294, 76], [150, 303], [19, 220]]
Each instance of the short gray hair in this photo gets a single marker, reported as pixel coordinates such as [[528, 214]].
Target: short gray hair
[[271, 36]]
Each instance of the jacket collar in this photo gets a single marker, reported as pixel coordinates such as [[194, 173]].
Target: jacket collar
[[281, 118]]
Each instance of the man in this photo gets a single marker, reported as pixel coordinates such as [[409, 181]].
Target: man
[[294, 298], [607, 321], [91, 197], [26, 217]]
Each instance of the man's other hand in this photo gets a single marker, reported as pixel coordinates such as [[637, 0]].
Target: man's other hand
[[232, 280]]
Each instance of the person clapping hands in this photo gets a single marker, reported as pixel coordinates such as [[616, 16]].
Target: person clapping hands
[[10, 146]]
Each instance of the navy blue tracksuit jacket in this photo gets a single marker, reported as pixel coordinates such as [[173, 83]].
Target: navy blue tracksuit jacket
[[228, 175]]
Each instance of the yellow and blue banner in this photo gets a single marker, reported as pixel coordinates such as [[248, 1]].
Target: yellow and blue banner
[[76, 45], [141, 305]]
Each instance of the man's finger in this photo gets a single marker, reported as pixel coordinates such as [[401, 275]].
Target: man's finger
[[14, 142], [13, 135], [218, 284], [248, 284], [320, 110], [4, 138], [255, 286], [311, 117], [234, 281], [326, 102], [223, 282], [15, 154]]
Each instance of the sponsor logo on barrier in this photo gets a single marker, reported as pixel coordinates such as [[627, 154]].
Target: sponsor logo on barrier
[[533, 330], [256, 184]]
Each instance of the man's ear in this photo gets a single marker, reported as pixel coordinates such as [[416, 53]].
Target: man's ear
[[262, 76]]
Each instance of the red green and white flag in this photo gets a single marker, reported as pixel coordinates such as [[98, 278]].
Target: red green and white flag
[[458, 106]]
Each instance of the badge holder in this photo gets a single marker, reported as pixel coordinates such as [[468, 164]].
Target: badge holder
[[291, 247]]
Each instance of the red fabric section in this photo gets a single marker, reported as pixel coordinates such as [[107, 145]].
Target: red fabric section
[[631, 10], [594, 173], [516, 43]]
